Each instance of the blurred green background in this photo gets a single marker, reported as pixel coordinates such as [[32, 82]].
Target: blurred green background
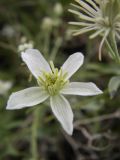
[[96, 134]]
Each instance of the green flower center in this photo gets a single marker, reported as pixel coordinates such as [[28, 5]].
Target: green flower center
[[54, 81]]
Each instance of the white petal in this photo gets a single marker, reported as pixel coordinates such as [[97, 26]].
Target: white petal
[[26, 98], [35, 62], [62, 110], [72, 64], [81, 88]]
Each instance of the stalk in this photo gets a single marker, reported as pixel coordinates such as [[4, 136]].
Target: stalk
[[34, 129]]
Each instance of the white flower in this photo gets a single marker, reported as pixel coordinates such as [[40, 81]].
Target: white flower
[[53, 84], [4, 87]]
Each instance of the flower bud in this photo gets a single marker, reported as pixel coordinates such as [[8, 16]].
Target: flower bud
[[24, 44], [47, 24], [58, 9]]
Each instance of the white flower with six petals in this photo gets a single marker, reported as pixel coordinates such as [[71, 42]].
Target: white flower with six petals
[[53, 84]]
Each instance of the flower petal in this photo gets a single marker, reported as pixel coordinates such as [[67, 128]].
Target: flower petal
[[35, 62], [81, 88], [62, 110], [26, 98], [72, 64]]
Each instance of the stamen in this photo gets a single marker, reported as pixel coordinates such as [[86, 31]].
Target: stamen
[[53, 82], [52, 66]]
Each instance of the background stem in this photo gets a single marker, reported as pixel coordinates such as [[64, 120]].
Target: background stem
[[34, 134]]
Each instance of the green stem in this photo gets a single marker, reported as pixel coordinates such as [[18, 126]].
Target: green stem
[[114, 46], [56, 48], [34, 129], [110, 50], [46, 44], [89, 50]]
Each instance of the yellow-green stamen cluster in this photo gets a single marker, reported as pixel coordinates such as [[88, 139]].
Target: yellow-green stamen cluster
[[53, 81]]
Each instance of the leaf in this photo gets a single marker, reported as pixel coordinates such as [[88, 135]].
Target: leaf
[[113, 85]]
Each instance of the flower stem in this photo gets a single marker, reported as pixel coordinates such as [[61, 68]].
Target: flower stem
[[110, 50], [47, 44], [34, 134], [55, 48], [114, 47]]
